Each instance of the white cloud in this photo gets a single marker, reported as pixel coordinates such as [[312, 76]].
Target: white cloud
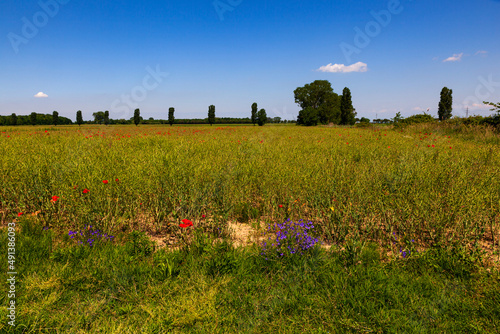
[[341, 68], [481, 52], [41, 94], [455, 57], [480, 106]]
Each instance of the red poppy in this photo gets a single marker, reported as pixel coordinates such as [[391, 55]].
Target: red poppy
[[86, 191], [280, 206], [186, 223], [202, 216], [117, 180], [105, 181], [19, 214], [54, 199]]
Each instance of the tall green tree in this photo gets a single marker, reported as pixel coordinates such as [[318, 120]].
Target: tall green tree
[[261, 117], [347, 114], [211, 114], [254, 113], [55, 118], [137, 117], [106, 117], [33, 118], [319, 96], [171, 118], [445, 104], [79, 118], [13, 119]]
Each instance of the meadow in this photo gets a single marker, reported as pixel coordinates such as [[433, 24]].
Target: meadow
[[407, 223]]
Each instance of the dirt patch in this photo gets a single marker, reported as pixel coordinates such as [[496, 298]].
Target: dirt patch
[[244, 235]]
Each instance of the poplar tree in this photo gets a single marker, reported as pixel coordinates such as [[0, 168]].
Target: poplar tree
[[445, 104], [211, 114], [254, 113], [106, 117], [171, 116], [79, 118], [137, 116], [347, 115]]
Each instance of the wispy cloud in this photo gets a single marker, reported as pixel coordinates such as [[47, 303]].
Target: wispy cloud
[[40, 94], [481, 106], [481, 52], [455, 57], [341, 68]]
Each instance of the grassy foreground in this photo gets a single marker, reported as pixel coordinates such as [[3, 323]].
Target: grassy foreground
[[412, 218]]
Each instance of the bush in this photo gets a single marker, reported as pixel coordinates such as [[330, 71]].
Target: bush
[[477, 121], [415, 119]]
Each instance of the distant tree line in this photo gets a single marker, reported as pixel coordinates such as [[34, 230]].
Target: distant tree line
[[217, 120], [102, 117], [35, 119], [318, 102]]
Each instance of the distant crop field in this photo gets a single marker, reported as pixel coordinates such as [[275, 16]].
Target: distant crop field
[[353, 183]]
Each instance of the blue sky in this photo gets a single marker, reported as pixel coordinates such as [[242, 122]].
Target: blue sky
[[109, 55]]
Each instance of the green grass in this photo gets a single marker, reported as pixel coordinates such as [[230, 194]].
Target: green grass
[[372, 194], [210, 287]]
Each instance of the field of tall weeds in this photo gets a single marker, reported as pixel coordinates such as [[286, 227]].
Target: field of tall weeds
[[420, 183]]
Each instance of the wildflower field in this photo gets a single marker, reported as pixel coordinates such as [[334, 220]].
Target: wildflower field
[[358, 230]]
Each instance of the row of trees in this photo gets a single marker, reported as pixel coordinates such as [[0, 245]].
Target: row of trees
[[257, 117], [318, 101]]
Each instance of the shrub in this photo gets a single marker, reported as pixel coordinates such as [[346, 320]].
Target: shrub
[[415, 119]]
